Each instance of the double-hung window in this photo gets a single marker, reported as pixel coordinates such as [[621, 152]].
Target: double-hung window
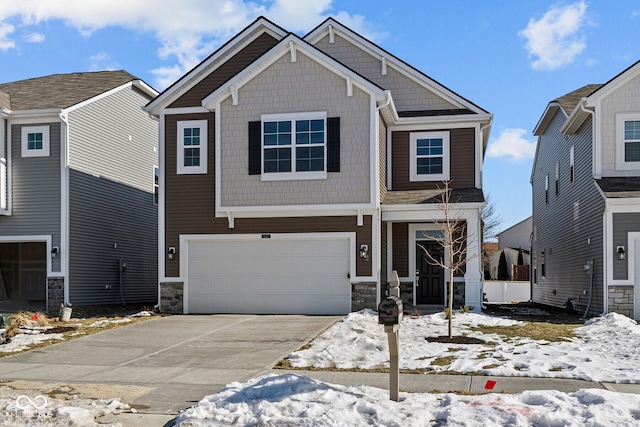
[[35, 141], [192, 147], [628, 141], [632, 140], [294, 146], [429, 156]]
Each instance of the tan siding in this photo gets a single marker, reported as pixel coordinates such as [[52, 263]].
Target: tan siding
[[407, 94], [193, 98], [286, 87], [462, 166]]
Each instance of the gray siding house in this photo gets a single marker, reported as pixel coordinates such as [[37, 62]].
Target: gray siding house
[[298, 173], [586, 199], [78, 175]]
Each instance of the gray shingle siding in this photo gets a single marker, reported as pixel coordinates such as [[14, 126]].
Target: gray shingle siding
[[35, 190], [568, 228], [111, 157]]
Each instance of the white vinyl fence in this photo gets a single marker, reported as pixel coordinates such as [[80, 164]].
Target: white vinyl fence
[[498, 291]]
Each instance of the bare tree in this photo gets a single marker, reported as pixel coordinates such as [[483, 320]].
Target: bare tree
[[491, 221], [453, 242]]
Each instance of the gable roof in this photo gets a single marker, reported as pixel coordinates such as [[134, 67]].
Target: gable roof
[[567, 103], [288, 46], [62, 90], [330, 25], [214, 61]]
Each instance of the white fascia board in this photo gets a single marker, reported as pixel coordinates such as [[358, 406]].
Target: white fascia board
[[614, 84], [470, 211], [456, 120], [437, 123], [295, 210], [547, 117], [34, 116], [575, 120], [185, 110], [213, 62], [97, 97], [391, 61], [142, 86], [281, 49]]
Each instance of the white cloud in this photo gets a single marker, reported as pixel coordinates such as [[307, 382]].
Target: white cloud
[[186, 31], [5, 31], [101, 62], [34, 38], [511, 143], [554, 40]]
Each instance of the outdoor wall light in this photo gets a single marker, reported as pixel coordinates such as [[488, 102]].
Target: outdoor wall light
[[171, 252], [54, 251], [364, 251], [621, 253]]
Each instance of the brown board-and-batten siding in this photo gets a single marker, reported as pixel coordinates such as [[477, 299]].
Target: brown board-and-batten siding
[[190, 206], [461, 153], [194, 97]]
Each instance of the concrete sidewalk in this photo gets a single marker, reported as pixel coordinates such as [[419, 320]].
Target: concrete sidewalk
[[474, 384]]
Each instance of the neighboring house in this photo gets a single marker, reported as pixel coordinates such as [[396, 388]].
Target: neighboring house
[[511, 241], [586, 199], [298, 173], [78, 178]]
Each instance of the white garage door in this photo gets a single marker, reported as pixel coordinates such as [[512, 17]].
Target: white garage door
[[269, 276]]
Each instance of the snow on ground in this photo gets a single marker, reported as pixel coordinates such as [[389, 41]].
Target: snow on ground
[[605, 349], [296, 400]]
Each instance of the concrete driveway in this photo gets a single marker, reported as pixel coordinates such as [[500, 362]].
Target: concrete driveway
[[167, 364]]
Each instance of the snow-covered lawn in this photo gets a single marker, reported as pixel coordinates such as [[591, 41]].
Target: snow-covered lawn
[[605, 349]]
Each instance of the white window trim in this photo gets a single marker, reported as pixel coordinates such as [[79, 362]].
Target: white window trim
[[413, 158], [289, 176], [45, 150], [156, 186], [202, 168], [572, 166], [621, 164]]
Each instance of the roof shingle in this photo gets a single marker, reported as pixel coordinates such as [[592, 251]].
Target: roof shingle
[[59, 90]]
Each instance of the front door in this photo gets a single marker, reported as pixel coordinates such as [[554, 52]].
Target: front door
[[429, 277]]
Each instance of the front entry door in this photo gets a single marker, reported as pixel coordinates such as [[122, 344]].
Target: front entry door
[[429, 277]]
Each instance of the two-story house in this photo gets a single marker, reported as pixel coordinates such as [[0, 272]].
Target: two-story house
[[78, 182], [586, 205], [298, 173]]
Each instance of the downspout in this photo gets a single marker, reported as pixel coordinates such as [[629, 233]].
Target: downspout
[[387, 102], [593, 169], [64, 209]]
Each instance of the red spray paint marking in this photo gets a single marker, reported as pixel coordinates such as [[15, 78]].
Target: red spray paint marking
[[490, 385]]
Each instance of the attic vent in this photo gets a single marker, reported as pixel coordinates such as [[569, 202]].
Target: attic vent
[[384, 66], [332, 39]]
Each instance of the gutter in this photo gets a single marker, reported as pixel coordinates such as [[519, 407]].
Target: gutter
[[64, 207]]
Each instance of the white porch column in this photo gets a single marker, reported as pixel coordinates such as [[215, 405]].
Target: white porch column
[[473, 275]]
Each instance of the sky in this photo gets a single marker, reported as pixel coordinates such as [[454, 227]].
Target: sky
[[510, 57]]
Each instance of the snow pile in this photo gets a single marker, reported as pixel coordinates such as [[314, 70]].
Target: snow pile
[[605, 349], [294, 400]]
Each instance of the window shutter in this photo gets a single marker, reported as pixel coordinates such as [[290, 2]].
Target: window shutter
[[333, 144], [255, 150]]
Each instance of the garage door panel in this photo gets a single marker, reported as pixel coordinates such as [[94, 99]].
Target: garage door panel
[[263, 276]]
